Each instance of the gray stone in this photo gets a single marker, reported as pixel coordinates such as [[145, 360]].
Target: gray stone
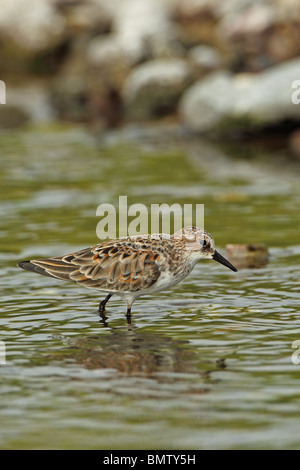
[[155, 86], [257, 100], [267, 98], [140, 26], [206, 103], [32, 26], [139, 30], [253, 255]]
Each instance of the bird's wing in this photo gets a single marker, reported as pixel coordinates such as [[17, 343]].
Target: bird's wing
[[113, 266]]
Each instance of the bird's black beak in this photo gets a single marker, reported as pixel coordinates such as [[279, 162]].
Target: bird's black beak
[[222, 260]]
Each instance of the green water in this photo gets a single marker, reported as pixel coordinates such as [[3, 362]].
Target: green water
[[207, 364]]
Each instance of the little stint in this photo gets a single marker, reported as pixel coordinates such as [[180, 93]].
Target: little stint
[[132, 266]]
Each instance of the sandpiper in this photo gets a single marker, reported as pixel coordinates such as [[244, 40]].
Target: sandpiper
[[132, 266]]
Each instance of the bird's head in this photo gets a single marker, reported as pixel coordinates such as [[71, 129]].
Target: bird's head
[[200, 244]]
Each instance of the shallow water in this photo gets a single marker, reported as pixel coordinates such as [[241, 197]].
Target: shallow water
[[207, 364]]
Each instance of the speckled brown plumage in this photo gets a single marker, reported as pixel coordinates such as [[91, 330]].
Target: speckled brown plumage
[[132, 266]]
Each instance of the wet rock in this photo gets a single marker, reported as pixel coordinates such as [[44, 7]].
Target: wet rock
[[153, 88], [247, 256], [224, 101]]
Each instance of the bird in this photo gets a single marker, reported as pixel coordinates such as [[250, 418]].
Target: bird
[[132, 266]]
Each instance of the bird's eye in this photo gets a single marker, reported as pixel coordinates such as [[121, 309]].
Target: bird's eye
[[203, 242]]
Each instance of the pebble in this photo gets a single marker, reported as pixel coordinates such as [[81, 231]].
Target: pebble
[[247, 255]]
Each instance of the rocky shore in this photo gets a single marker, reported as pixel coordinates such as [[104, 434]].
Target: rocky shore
[[206, 64]]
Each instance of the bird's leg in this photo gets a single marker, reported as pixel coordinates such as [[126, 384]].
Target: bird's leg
[[103, 303], [128, 314], [103, 320]]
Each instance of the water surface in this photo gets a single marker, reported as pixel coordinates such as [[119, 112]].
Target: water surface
[[207, 364]]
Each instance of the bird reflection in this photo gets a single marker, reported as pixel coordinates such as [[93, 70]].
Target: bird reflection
[[103, 319], [132, 351]]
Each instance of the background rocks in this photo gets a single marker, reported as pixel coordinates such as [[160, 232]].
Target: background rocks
[[215, 64], [224, 100], [31, 26], [154, 87], [208, 102]]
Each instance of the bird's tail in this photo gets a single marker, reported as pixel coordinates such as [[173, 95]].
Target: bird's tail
[[51, 267]]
